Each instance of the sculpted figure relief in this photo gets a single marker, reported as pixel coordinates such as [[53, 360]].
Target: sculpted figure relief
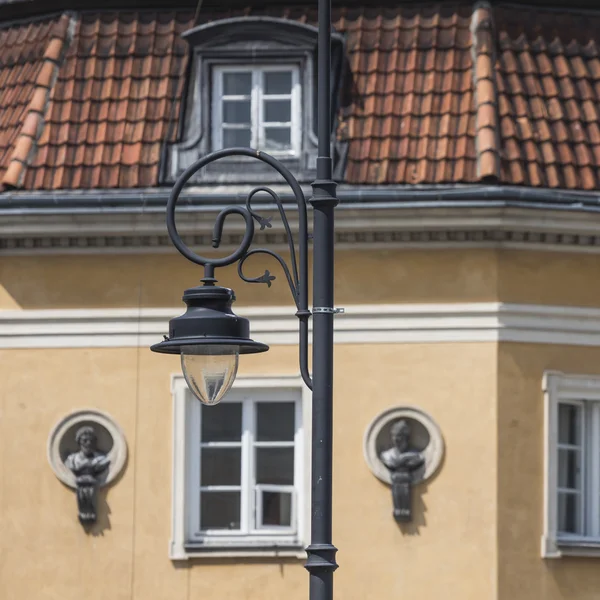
[[87, 465], [402, 463]]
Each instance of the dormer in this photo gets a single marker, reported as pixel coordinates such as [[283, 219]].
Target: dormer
[[252, 83]]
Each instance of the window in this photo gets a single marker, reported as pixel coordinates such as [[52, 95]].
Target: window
[[257, 107], [572, 519], [571, 455], [239, 474], [252, 82]]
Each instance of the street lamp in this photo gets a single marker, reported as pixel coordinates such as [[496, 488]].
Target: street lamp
[[210, 337]]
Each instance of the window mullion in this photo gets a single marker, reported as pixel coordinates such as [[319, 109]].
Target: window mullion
[[257, 121], [247, 501], [249, 465], [592, 497], [586, 447], [194, 505], [583, 520], [252, 508], [296, 134], [218, 110], [298, 498]]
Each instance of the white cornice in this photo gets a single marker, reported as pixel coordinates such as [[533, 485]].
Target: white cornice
[[402, 226], [400, 323]]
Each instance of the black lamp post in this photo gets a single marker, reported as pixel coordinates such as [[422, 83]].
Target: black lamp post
[[210, 337]]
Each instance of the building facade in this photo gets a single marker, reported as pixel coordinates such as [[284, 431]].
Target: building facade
[[466, 147]]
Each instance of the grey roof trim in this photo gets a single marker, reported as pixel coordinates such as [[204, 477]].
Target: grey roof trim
[[198, 199], [433, 225]]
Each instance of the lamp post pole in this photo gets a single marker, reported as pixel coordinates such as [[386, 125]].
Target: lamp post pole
[[321, 552], [209, 328]]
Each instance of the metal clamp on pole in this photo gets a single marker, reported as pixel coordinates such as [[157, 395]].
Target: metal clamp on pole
[[328, 310]]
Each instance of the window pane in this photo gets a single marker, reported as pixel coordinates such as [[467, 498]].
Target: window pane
[[222, 422], [569, 424], [275, 466], [569, 469], [278, 138], [236, 111], [275, 421], [221, 466], [277, 508], [278, 82], [278, 111], [236, 137], [569, 515], [237, 84], [219, 510]]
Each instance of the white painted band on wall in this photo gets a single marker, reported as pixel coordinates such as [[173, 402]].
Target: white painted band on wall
[[379, 324]]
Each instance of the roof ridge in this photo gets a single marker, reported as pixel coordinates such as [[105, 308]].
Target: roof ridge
[[487, 135], [25, 145]]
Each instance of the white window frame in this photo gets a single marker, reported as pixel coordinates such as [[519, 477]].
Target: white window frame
[[186, 539], [256, 109], [582, 391]]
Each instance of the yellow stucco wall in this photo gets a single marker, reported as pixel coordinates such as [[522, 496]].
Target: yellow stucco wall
[[523, 575], [369, 276], [477, 523], [564, 279], [362, 277], [46, 554]]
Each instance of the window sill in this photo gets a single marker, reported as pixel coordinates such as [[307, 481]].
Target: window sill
[[575, 546], [189, 551]]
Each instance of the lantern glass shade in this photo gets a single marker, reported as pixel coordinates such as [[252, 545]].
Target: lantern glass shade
[[210, 370]]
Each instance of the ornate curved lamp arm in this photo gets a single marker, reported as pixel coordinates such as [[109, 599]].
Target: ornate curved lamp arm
[[267, 223], [297, 276]]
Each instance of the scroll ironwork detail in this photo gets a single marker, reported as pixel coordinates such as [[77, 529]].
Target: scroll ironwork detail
[[296, 272]]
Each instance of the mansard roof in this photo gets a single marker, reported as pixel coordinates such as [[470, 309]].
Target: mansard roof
[[443, 93]]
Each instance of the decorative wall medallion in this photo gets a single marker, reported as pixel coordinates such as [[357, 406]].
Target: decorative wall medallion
[[403, 446], [87, 450]]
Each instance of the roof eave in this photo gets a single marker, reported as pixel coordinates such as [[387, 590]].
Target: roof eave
[[153, 199]]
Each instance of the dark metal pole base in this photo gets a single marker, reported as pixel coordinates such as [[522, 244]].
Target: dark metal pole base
[[321, 565]]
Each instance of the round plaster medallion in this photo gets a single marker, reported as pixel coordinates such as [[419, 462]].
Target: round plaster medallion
[[110, 441], [425, 437]]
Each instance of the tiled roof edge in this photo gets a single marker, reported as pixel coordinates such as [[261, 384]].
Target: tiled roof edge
[[25, 146], [483, 49]]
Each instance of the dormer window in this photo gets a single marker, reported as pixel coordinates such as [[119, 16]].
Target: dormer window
[[257, 107], [253, 84]]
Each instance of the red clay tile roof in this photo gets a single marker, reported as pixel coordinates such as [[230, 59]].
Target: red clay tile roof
[[487, 134], [29, 60], [411, 119], [117, 91], [438, 94], [548, 80]]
